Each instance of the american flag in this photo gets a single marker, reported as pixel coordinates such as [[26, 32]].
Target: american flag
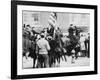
[[53, 20]]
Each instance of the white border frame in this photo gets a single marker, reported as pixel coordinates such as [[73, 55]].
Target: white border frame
[[21, 71]]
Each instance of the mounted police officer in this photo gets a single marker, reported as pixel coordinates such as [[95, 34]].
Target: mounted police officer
[[73, 41]]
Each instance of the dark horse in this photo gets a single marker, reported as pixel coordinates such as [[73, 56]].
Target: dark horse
[[73, 46], [52, 52], [58, 46], [55, 51]]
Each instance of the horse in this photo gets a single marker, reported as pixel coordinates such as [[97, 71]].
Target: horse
[[72, 45], [58, 47], [52, 52]]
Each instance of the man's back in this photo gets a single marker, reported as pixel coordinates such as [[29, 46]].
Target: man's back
[[43, 46]]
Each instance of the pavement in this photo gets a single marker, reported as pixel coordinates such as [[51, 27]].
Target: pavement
[[81, 61]]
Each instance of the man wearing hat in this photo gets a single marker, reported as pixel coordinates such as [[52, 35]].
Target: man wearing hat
[[44, 47]]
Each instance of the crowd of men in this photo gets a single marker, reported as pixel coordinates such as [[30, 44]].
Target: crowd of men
[[49, 46]]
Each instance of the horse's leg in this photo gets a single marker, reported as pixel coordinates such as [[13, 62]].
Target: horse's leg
[[50, 60], [65, 57], [72, 50], [62, 56], [73, 58], [76, 52], [27, 54], [34, 62], [54, 60], [76, 55], [59, 58]]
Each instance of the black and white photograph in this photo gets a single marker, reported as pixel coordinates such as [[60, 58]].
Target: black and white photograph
[[53, 39]]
